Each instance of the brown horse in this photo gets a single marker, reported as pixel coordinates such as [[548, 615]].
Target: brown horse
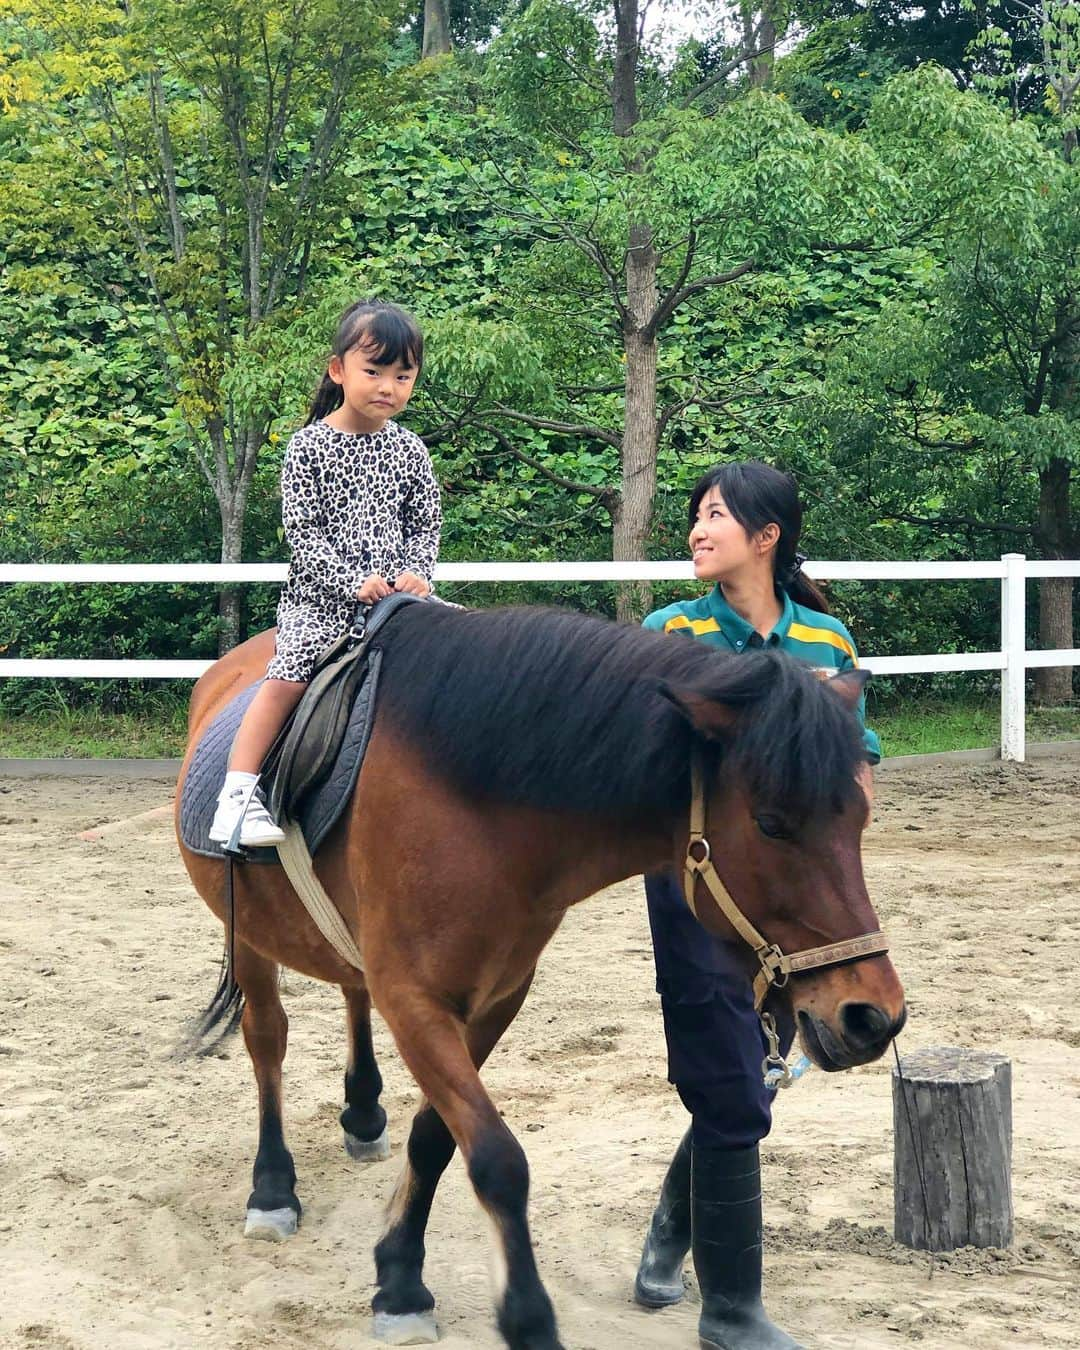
[[522, 760]]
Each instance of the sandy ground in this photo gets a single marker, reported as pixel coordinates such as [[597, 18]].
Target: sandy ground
[[124, 1174]]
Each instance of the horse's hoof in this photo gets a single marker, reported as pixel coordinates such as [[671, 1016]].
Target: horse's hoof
[[406, 1328], [369, 1151], [271, 1225]]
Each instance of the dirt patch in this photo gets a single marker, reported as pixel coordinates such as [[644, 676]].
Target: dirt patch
[[124, 1174]]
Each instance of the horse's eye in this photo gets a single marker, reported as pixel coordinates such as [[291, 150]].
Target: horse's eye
[[772, 827]]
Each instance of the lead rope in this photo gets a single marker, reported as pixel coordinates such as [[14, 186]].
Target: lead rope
[[918, 1150], [776, 1071]]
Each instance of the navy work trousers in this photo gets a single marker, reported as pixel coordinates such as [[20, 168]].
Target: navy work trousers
[[714, 1038]]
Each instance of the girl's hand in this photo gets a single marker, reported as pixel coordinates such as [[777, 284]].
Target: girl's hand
[[374, 588], [412, 584]]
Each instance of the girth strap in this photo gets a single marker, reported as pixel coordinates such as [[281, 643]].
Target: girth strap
[[775, 964], [296, 860]]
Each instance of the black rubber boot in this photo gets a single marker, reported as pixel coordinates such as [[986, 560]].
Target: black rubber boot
[[725, 1205], [659, 1280]]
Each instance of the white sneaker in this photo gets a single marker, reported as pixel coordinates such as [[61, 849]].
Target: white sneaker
[[258, 829]]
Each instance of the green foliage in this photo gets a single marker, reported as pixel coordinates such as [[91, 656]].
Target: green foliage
[[833, 76], [887, 36], [901, 234], [961, 395], [937, 724], [196, 143], [105, 720]]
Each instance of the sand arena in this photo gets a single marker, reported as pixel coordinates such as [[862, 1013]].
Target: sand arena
[[125, 1174]]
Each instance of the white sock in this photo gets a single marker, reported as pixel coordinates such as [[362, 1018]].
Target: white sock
[[236, 779]]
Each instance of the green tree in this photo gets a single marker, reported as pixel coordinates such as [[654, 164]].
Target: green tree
[[216, 126], [963, 399], [849, 47], [647, 193]]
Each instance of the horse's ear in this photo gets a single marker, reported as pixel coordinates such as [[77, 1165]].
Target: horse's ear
[[707, 716], [849, 685]]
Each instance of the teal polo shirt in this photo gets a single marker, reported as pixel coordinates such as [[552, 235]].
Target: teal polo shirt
[[818, 639]]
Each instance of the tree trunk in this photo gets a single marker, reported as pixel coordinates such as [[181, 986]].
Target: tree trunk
[[761, 67], [624, 104], [436, 29], [232, 496], [1056, 536], [633, 516], [1053, 684], [232, 551]]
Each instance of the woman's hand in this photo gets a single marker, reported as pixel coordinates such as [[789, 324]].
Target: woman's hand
[[374, 588], [412, 584]]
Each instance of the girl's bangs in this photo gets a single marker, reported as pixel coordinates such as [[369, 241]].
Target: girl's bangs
[[390, 336]]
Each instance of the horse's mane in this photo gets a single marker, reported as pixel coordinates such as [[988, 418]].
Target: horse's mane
[[558, 710]]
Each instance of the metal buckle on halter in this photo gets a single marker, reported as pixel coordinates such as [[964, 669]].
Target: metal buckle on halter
[[775, 1072], [772, 961]]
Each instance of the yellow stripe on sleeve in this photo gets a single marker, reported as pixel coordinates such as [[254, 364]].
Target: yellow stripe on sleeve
[[802, 632], [696, 626]]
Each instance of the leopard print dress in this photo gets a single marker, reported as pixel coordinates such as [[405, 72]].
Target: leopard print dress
[[352, 505]]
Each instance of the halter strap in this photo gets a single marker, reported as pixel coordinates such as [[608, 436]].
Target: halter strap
[[775, 964]]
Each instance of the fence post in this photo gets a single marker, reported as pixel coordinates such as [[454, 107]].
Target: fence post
[[1014, 650]]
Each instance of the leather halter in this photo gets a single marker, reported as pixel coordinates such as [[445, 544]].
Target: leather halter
[[776, 966]]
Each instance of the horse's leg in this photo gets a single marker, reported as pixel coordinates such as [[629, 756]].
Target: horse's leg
[[444, 1058], [363, 1120], [403, 1304], [273, 1210]]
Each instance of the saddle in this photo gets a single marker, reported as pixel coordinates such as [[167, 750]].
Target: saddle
[[313, 766], [337, 707]]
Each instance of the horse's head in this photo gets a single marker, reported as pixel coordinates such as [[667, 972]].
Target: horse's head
[[784, 811]]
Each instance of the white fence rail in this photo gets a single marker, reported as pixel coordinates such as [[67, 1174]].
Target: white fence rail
[[1013, 570]]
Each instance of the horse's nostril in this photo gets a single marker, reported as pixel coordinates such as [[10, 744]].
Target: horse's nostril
[[865, 1025]]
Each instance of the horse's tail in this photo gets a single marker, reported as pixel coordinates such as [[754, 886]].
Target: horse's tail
[[217, 1022]]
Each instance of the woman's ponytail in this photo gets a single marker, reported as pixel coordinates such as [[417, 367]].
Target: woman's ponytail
[[798, 585]]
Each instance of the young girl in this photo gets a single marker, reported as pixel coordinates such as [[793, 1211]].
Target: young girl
[[361, 511], [745, 520]]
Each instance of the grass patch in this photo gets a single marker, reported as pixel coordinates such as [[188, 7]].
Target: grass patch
[[157, 729], [932, 727], [51, 726]]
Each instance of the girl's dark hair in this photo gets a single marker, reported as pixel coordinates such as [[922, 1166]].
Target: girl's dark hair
[[391, 334], [757, 495]]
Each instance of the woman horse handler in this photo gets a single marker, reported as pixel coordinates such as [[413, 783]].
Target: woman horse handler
[[745, 520]]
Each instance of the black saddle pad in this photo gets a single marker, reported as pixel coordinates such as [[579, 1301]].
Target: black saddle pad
[[319, 810]]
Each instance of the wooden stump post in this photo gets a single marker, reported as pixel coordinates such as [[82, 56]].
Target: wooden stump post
[[959, 1105]]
